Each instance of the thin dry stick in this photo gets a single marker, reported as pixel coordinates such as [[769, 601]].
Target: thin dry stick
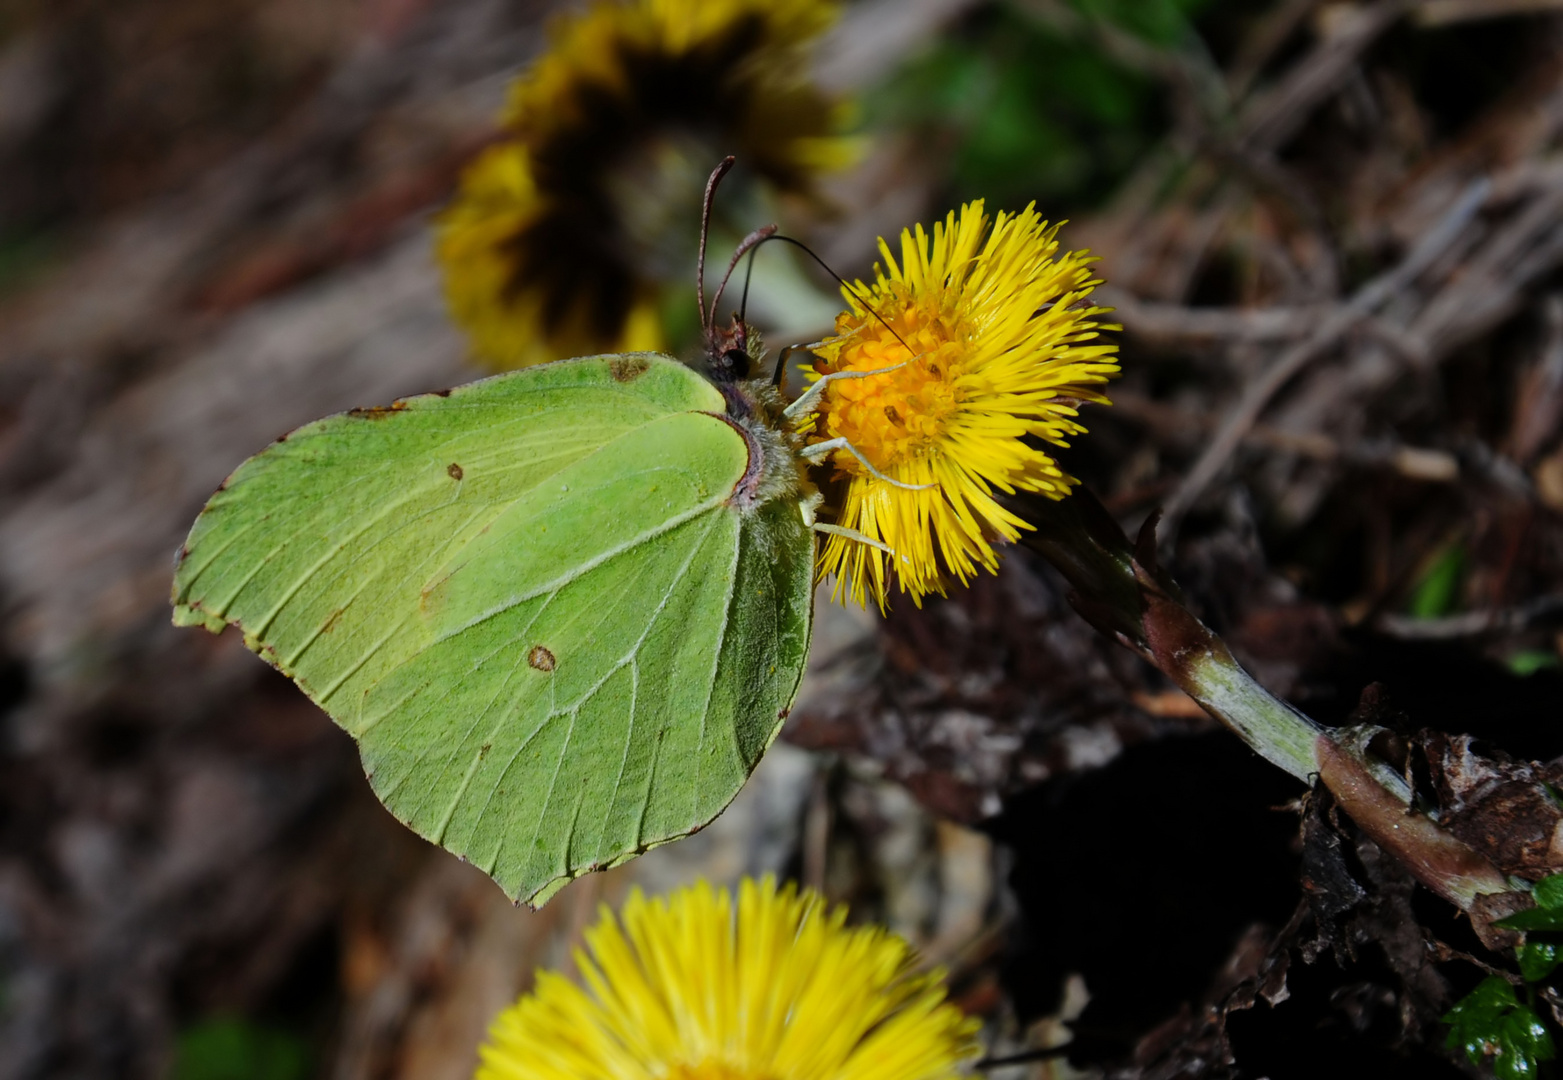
[[1472, 623], [1177, 325], [1345, 318], [1171, 422], [1491, 281], [1539, 407], [1265, 41], [1448, 12], [1271, 119], [1474, 285]]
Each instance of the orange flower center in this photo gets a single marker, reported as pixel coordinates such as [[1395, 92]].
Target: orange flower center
[[896, 416]]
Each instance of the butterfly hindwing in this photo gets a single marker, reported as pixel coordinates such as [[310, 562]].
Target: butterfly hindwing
[[530, 602]]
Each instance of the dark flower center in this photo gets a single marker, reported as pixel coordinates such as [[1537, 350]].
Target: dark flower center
[[621, 181]]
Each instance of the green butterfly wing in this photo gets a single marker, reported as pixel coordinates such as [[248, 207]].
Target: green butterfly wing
[[529, 601]]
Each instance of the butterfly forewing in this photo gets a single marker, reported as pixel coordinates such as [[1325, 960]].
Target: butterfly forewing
[[530, 602]]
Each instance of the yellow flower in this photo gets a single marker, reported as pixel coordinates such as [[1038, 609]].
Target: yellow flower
[[562, 235], [993, 344], [695, 987]]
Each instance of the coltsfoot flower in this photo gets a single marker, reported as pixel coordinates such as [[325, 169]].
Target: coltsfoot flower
[[698, 987], [563, 234], [986, 344]]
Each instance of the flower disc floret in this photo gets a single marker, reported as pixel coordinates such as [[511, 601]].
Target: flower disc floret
[[773, 986], [981, 341]]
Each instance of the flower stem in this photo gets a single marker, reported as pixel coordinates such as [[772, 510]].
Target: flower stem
[[1277, 732], [1120, 589]]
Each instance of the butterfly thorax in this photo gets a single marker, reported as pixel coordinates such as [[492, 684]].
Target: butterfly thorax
[[776, 471], [756, 409]]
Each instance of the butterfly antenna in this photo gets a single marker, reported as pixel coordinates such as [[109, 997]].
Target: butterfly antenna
[[705, 227], [848, 286], [746, 247], [743, 300]]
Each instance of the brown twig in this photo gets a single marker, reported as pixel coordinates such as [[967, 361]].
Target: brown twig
[[1539, 405], [1492, 280], [1467, 624], [1413, 462], [1449, 12], [1175, 325], [1262, 44], [1368, 298], [1274, 117]]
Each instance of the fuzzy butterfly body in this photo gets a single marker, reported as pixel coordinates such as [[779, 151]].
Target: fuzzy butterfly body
[[562, 611]]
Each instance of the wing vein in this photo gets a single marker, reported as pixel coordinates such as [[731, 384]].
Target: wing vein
[[634, 653], [721, 641], [577, 572]]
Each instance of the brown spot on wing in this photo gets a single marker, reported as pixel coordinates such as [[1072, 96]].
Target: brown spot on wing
[[628, 368], [378, 412], [540, 658], [431, 597], [454, 470]]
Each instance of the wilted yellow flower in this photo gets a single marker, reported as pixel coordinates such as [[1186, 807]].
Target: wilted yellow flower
[[988, 343], [696, 987], [562, 234]]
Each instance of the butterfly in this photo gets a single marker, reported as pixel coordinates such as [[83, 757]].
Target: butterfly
[[562, 611]]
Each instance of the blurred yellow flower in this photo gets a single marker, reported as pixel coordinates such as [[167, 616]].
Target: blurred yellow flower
[[698, 987], [988, 343], [562, 234]]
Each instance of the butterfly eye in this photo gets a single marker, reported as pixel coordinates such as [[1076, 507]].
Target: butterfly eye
[[737, 361]]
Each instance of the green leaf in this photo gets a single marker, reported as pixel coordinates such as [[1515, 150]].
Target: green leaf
[[24, 256], [232, 1049], [1028, 113], [1524, 1043], [1439, 588], [1530, 661], [1491, 1022], [1548, 912], [1164, 22], [534, 602], [1533, 919], [1548, 892], [1538, 959]]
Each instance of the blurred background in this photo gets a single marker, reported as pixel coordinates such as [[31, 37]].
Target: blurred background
[[1333, 232]]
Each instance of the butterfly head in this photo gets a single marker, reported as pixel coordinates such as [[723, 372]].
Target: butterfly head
[[732, 351]]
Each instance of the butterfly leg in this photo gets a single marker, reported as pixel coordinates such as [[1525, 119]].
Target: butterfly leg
[[809, 505], [778, 375], [806, 400], [820, 450], [852, 534]]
